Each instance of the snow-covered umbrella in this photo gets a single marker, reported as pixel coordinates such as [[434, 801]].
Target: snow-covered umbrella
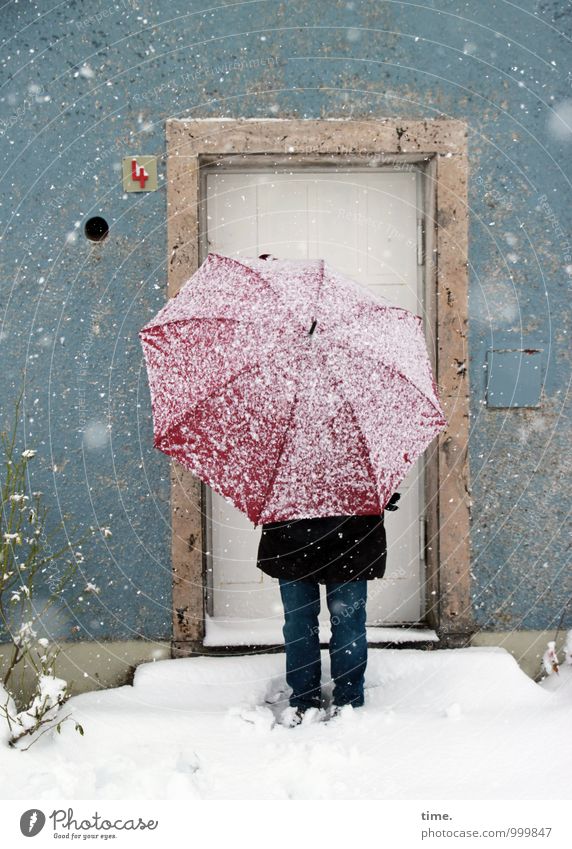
[[289, 388]]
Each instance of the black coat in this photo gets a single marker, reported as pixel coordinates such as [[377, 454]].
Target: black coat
[[326, 549]]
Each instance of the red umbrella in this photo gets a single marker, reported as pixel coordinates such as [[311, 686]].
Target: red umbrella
[[290, 389]]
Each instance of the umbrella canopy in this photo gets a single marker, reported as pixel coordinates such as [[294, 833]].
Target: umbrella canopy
[[289, 388]]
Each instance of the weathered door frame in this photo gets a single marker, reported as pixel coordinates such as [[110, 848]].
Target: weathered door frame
[[442, 146]]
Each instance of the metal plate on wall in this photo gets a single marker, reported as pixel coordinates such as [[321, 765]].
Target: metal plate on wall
[[514, 378]]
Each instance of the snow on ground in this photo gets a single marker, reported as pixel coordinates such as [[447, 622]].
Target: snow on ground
[[448, 724]]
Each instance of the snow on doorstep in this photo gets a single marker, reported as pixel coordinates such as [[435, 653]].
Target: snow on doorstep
[[449, 724], [265, 632]]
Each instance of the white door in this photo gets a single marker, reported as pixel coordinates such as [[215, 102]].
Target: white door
[[363, 222]]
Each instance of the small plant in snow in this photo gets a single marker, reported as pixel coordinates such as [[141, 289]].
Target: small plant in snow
[[550, 658], [568, 647], [44, 706], [29, 563]]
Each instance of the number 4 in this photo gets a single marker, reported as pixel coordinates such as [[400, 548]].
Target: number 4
[[142, 176]]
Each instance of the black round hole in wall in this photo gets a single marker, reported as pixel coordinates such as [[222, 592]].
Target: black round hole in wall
[[96, 229]]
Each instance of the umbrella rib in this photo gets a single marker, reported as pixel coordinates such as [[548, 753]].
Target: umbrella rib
[[171, 322], [365, 445], [320, 284], [267, 282], [278, 458], [252, 271], [399, 374], [217, 389]]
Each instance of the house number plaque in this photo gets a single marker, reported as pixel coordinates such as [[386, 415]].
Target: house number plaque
[[139, 173]]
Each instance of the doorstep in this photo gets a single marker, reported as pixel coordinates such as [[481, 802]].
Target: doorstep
[[268, 632]]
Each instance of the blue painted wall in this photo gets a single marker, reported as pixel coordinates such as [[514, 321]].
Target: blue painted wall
[[87, 83]]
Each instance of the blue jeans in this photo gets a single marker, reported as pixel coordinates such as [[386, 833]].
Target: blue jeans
[[348, 644]]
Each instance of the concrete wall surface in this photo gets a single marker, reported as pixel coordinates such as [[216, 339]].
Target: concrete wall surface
[[86, 84]]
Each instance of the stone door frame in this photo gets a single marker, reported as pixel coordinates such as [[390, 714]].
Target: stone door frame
[[441, 147]]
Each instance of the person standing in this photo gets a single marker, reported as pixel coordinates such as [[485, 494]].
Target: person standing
[[344, 553]]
